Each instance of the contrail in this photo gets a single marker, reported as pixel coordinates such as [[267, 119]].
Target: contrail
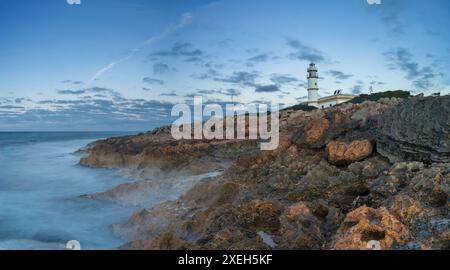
[[186, 19]]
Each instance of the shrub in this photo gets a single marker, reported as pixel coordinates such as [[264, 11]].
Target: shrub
[[377, 96], [302, 107]]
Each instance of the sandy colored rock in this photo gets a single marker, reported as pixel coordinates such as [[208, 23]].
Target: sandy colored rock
[[341, 153], [365, 224], [315, 129]]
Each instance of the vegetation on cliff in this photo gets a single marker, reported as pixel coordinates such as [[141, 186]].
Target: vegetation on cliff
[[377, 96]]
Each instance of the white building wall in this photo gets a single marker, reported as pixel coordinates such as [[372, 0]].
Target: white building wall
[[326, 104], [331, 102]]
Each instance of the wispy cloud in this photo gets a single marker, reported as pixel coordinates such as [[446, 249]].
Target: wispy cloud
[[161, 68], [280, 79], [152, 81], [71, 92], [267, 88], [185, 20], [184, 50], [421, 76], [240, 77], [390, 13], [357, 89], [339, 75], [304, 52]]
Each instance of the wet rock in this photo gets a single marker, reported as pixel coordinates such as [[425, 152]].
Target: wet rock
[[164, 241]]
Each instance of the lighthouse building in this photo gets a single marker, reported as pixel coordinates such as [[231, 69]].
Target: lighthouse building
[[313, 92]]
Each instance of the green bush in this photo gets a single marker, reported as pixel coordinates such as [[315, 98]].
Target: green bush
[[377, 96], [302, 107]]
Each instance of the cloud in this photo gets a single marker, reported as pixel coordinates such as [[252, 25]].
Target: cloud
[[20, 100], [280, 79], [209, 92], [72, 82], [169, 94], [185, 20], [242, 77], [390, 12], [160, 69], [339, 75], [152, 81], [11, 107], [181, 49], [267, 88], [404, 60], [95, 90], [305, 53], [232, 92], [263, 57], [357, 89], [377, 83], [71, 92], [109, 66], [209, 74], [227, 92], [225, 42], [86, 114]]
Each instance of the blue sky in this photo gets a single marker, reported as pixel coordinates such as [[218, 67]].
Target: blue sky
[[121, 65]]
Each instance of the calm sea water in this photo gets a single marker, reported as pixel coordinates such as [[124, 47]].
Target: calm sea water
[[40, 188]]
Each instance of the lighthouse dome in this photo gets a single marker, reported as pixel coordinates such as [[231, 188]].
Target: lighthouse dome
[[312, 67]]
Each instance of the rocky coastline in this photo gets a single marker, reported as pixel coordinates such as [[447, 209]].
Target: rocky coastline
[[341, 178]]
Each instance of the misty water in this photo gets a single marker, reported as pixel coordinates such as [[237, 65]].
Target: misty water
[[40, 187]]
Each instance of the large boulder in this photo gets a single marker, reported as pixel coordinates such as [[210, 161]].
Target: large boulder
[[346, 122], [342, 153], [417, 130], [321, 129]]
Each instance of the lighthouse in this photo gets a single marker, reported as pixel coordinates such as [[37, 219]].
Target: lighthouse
[[313, 88], [313, 92]]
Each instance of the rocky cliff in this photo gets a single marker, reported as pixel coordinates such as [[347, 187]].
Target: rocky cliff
[[419, 130], [354, 176]]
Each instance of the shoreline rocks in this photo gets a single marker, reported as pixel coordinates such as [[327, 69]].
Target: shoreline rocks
[[335, 182], [418, 130]]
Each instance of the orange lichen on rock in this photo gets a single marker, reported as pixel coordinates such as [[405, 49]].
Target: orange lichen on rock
[[341, 153], [365, 224]]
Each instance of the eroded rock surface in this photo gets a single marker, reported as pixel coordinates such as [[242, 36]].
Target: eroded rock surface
[[417, 130], [303, 195], [341, 153]]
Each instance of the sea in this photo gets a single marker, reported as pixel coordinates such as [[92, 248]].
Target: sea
[[41, 184]]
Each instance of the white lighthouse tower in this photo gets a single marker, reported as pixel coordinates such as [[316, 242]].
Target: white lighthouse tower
[[313, 88]]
